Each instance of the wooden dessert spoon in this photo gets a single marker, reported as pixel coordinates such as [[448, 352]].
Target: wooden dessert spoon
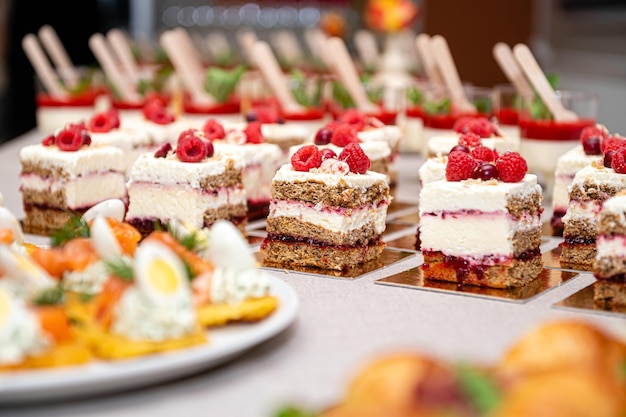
[[366, 46], [343, 66], [123, 51], [422, 44], [58, 55], [533, 71], [43, 69], [509, 66], [450, 75]]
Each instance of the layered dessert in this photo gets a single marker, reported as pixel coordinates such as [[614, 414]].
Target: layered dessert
[[568, 164], [482, 224], [590, 188], [326, 212], [188, 182], [260, 160], [65, 175]]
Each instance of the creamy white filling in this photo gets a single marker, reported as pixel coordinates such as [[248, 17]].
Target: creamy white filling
[[87, 160], [286, 173], [178, 202], [88, 281], [611, 246], [389, 134], [336, 220], [587, 211], [443, 144], [137, 317], [473, 235], [83, 191], [233, 285], [433, 169]]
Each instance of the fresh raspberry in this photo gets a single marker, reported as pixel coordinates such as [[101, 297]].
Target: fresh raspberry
[[210, 149], [189, 133], [69, 140], [344, 134], [460, 166], [356, 159], [191, 149], [511, 166], [263, 114], [114, 117], [471, 140], [161, 116], [607, 161], [354, 118], [153, 104], [213, 129], [619, 161], [596, 131], [483, 153], [460, 126], [306, 157], [48, 141], [323, 136], [481, 126], [613, 143], [253, 132], [328, 153], [485, 171], [100, 123], [163, 150]]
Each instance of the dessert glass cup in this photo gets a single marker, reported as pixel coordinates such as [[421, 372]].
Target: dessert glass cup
[[87, 95], [440, 114], [412, 119], [506, 109], [309, 91], [544, 140]]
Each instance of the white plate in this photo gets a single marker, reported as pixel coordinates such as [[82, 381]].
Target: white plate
[[102, 377]]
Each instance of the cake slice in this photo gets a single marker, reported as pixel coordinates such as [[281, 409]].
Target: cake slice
[[482, 224], [64, 176], [189, 183], [327, 213]]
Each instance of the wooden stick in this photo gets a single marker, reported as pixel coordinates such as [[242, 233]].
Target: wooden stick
[[266, 62], [42, 67], [58, 55], [286, 44], [100, 49], [186, 70], [446, 65], [246, 40], [365, 43], [509, 66], [316, 41], [533, 71], [122, 49], [344, 67], [422, 44]]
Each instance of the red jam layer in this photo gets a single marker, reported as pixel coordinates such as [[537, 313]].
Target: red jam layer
[[233, 106], [84, 99], [508, 117], [305, 115], [446, 121], [552, 130], [312, 242], [415, 112]]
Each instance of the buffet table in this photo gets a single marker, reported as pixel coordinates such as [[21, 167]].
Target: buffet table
[[341, 324]]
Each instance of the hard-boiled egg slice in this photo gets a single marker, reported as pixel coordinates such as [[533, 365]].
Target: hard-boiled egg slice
[[160, 274], [8, 221], [113, 208], [104, 240], [25, 276], [228, 248]]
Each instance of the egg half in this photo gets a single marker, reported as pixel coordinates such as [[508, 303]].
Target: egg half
[[228, 248], [160, 274], [104, 240], [113, 208], [26, 276], [8, 221]]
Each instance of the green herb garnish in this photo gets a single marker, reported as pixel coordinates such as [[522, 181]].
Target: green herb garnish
[[306, 94], [121, 268], [440, 106], [538, 109], [479, 387], [221, 83], [76, 227], [50, 296], [415, 96], [293, 411]]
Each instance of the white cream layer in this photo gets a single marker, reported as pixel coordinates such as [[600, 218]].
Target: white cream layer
[[443, 144], [50, 119], [433, 169], [390, 134], [611, 247], [87, 160], [338, 221], [375, 151], [566, 168], [286, 173]]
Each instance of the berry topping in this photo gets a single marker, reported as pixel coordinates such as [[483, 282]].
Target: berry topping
[[306, 158], [461, 166], [471, 140], [511, 166], [592, 146], [608, 158], [460, 148], [483, 153], [353, 154], [69, 140], [479, 126], [613, 143], [156, 111], [100, 123], [354, 118], [48, 141], [263, 114], [485, 171], [210, 149], [323, 136], [191, 149], [343, 135], [163, 150], [618, 162], [253, 132], [328, 153], [213, 130], [598, 132], [188, 133]]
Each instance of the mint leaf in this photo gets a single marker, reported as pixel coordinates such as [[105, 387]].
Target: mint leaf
[[341, 96], [482, 391], [292, 411], [440, 106], [221, 83], [415, 96]]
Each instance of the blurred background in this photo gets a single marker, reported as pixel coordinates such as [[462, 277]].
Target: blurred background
[[583, 41]]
